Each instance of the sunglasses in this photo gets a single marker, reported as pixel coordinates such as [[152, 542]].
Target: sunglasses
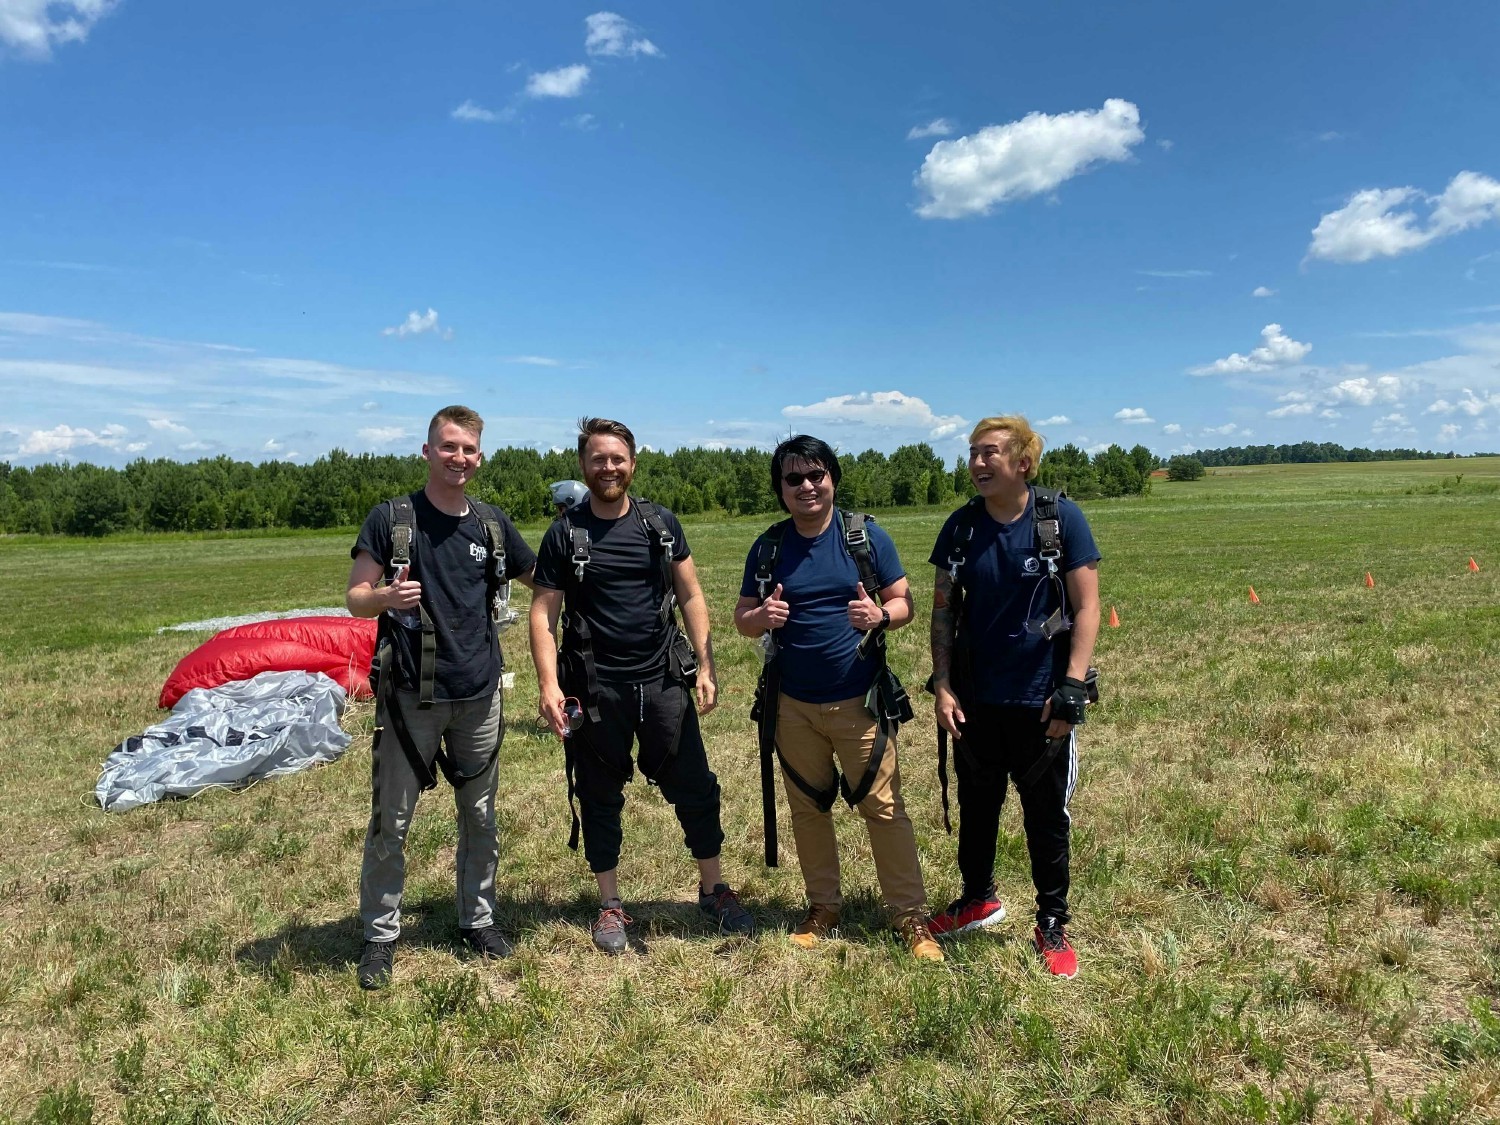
[[812, 476]]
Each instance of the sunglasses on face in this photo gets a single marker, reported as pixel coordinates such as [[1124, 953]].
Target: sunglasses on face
[[812, 476]]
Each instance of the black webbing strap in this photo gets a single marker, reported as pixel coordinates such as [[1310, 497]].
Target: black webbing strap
[[569, 766], [386, 705], [496, 584], [942, 736], [1050, 751], [662, 547], [403, 532], [763, 712]]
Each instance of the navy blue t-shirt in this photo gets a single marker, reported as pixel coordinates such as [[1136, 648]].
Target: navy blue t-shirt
[[449, 555], [622, 592], [818, 578], [1005, 584]]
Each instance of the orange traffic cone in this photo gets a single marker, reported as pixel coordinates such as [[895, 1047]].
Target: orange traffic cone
[[1369, 580], [1254, 600], [1114, 618], [1472, 564]]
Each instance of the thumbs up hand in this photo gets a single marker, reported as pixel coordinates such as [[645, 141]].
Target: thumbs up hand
[[864, 611], [775, 610]]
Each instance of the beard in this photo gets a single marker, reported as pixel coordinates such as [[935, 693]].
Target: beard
[[613, 490]]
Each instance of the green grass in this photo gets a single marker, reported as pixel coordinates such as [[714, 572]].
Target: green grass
[[1286, 862]]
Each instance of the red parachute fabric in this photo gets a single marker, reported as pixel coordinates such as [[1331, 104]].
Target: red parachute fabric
[[339, 647]]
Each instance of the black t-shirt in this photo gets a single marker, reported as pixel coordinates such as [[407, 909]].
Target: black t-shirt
[[621, 594], [449, 555]]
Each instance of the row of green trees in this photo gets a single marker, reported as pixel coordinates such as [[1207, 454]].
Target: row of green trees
[[1307, 453], [339, 489]]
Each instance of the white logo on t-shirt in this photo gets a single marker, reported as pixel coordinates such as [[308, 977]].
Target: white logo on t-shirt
[[479, 553], [1032, 565]]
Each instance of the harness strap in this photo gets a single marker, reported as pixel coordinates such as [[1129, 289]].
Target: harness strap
[[403, 532], [1049, 752], [764, 710]]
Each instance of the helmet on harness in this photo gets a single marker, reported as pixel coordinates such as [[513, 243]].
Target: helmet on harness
[[567, 494]]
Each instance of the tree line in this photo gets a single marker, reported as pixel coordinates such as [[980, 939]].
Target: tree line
[[337, 490]]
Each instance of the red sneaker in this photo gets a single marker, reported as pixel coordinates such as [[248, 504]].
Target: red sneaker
[[968, 914], [1057, 952]]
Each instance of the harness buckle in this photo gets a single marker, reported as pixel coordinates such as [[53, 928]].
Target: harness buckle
[[856, 537]]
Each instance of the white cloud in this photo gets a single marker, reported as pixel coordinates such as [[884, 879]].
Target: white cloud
[[1171, 428], [471, 111], [880, 408], [64, 439], [1176, 273], [1226, 429], [1056, 420], [1392, 423], [1093, 450], [613, 36], [1330, 413], [1449, 431], [532, 360], [34, 27], [1262, 291], [583, 122], [1364, 391], [1291, 409], [1133, 416], [272, 446], [1381, 222], [937, 127], [564, 82], [1000, 163], [384, 435], [1277, 350], [1165, 145], [168, 425], [369, 406], [416, 324]]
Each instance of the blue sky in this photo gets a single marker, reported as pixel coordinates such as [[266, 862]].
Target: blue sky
[[271, 230]]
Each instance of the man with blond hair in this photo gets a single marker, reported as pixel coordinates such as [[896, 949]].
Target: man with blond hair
[[435, 567], [1014, 620]]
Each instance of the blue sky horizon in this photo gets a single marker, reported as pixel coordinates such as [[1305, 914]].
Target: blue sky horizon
[[271, 232]]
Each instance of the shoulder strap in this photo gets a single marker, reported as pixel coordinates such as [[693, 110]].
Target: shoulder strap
[[857, 542], [403, 528], [662, 543], [497, 585], [963, 536], [1044, 518], [403, 532], [768, 556]]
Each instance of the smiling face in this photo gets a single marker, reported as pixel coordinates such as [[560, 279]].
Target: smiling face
[[807, 498], [608, 467], [994, 470], [452, 456]]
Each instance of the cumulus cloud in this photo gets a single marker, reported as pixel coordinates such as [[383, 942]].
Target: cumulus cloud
[[1330, 413], [1277, 350], [1056, 420], [613, 36], [1000, 163], [63, 439], [168, 425], [1224, 430], [34, 27], [1262, 291], [272, 446], [1384, 223], [564, 82], [472, 111], [1364, 391], [1171, 428], [1396, 423], [417, 324], [889, 409], [1449, 430], [1133, 416], [937, 127], [384, 435], [1291, 409]]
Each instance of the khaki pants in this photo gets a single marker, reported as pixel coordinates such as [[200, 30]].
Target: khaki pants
[[809, 736]]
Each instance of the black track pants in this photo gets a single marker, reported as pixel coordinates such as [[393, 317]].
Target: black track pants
[[658, 716], [1000, 743]]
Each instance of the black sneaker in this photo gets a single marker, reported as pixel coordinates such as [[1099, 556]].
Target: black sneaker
[[375, 962], [609, 929], [724, 906], [486, 942]]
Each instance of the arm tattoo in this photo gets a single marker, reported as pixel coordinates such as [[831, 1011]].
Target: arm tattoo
[[943, 622]]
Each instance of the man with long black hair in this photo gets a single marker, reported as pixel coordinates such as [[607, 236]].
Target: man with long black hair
[[803, 580], [1015, 615]]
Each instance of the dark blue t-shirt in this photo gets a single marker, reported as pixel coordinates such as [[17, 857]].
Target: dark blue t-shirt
[[818, 578], [1005, 584]]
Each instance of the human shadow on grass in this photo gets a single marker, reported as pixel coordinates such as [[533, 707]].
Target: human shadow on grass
[[428, 922]]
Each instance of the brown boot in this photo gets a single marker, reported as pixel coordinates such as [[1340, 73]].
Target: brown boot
[[818, 925], [913, 929]]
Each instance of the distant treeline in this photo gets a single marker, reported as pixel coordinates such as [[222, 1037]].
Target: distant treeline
[[339, 489], [1308, 453]]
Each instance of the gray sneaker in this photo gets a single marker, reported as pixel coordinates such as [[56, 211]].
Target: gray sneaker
[[609, 930], [375, 962], [724, 906]]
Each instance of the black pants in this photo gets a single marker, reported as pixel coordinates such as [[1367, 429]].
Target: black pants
[[660, 718], [1000, 743]]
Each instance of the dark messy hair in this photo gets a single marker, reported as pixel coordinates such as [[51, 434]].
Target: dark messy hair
[[803, 447], [590, 427]]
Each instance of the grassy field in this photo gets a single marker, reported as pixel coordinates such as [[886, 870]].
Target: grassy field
[[1286, 862]]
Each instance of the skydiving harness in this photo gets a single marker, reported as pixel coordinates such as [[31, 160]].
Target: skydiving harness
[[1047, 530], [382, 677], [887, 699], [578, 638]]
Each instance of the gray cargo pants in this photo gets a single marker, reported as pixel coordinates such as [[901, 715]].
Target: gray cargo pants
[[472, 730]]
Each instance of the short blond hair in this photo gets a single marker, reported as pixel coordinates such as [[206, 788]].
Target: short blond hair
[[460, 416], [1022, 440]]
